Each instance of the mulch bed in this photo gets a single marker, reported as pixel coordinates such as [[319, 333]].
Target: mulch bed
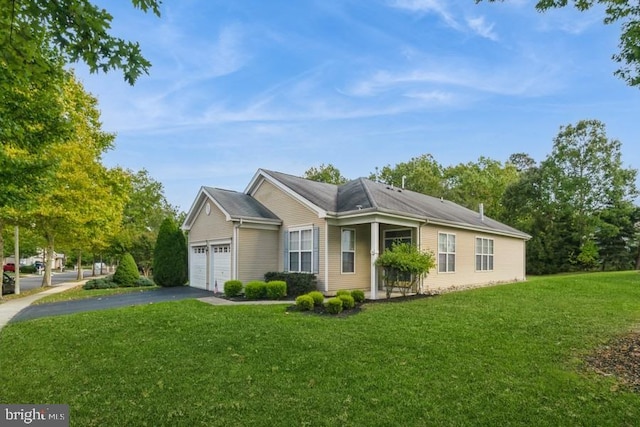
[[619, 358]]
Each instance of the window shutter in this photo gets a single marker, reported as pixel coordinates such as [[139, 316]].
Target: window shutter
[[316, 250], [286, 250]]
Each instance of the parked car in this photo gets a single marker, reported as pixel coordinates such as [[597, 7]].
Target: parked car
[[8, 284], [39, 265], [9, 267]]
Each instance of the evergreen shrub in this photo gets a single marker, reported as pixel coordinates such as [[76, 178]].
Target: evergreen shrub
[[297, 283], [256, 289], [347, 301], [170, 255], [232, 288], [318, 297], [276, 289], [358, 295], [127, 272], [334, 305], [304, 302]]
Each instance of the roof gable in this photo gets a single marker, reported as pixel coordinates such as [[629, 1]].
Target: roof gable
[[234, 205]]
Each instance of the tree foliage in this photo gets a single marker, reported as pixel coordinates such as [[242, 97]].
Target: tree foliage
[[325, 173], [625, 12], [576, 204], [170, 255], [77, 30], [143, 214], [403, 262]]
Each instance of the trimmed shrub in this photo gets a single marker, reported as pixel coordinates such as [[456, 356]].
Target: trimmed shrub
[[318, 297], [170, 255], [334, 305], [304, 302], [127, 272], [232, 288], [102, 283], [297, 283], [256, 289], [347, 301], [276, 289], [144, 281], [358, 295], [343, 292]]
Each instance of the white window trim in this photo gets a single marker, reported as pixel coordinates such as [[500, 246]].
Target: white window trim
[[448, 253], [342, 251], [300, 251], [492, 255]]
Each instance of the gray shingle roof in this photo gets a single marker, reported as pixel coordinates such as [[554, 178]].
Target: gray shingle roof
[[364, 194], [240, 205]]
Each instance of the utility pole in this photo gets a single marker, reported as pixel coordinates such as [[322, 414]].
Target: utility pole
[[16, 259]]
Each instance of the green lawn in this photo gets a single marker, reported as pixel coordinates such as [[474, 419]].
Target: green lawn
[[507, 355]]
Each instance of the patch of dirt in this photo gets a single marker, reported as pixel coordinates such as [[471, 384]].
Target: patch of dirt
[[619, 358]]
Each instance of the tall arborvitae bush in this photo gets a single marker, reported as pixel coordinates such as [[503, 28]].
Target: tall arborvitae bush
[[170, 255], [127, 272]]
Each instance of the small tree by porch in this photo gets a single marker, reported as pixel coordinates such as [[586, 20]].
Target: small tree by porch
[[403, 266]]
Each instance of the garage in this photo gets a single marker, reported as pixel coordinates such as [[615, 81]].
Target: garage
[[220, 266], [198, 267]]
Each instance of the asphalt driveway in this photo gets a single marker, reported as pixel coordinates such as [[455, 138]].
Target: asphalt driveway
[[112, 301]]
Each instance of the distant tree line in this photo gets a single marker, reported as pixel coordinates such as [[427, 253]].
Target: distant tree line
[[578, 204]]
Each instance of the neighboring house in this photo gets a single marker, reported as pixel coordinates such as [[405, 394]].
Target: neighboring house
[[287, 223]]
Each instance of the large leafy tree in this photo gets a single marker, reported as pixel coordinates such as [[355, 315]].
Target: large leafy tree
[[422, 174], [84, 197], [482, 182], [77, 30], [577, 204], [144, 212], [624, 12], [325, 173]]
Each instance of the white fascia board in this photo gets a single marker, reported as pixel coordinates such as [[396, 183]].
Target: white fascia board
[[485, 230], [376, 216], [261, 175], [193, 210], [202, 197]]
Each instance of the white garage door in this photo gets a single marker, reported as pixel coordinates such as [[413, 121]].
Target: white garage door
[[198, 267], [220, 266]]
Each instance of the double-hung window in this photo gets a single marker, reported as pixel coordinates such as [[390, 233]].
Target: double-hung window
[[446, 253], [484, 254], [301, 250], [348, 249]]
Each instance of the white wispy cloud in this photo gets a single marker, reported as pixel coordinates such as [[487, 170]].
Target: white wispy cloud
[[437, 7], [482, 28]]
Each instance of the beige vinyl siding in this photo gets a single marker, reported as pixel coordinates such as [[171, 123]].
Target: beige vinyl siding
[[508, 259], [293, 214], [361, 279], [210, 227], [256, 249]]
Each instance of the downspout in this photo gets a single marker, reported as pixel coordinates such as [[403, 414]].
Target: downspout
[[326, 256], [235, 243]]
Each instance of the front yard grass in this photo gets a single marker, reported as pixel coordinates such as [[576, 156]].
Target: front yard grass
[[506, 355]]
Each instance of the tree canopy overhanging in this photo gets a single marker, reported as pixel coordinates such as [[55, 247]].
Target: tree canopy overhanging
[[77, 30], [627, 13]]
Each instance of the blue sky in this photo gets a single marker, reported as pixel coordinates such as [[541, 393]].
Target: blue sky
[[241, 85]]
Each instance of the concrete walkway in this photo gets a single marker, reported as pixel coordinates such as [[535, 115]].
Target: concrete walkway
[[21, 309]]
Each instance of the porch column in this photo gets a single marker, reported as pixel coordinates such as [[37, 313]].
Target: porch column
[[375, 251]]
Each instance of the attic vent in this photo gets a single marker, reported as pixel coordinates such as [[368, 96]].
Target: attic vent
[[359, 207]]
